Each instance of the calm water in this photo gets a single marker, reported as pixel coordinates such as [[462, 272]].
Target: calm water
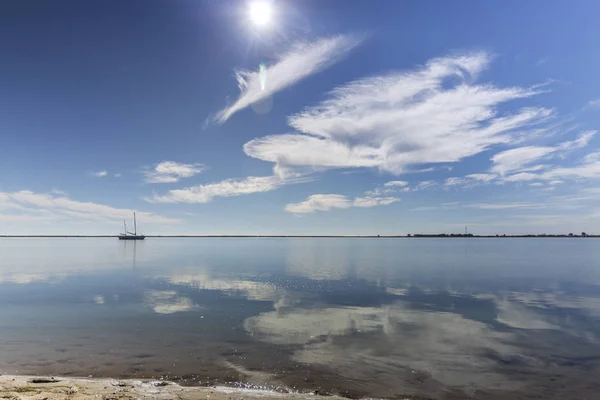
[[437, 318]]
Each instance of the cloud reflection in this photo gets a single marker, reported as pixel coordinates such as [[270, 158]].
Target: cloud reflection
[[450, 348], [168, 302]]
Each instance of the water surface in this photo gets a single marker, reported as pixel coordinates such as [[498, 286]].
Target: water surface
[[436, 318]]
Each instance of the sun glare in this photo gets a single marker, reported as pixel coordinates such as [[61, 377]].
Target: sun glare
[[261, 13]]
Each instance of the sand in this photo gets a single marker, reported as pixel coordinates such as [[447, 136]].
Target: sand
[[17, 387]]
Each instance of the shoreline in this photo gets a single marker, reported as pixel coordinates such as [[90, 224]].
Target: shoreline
[[30, 387], [416, 236]]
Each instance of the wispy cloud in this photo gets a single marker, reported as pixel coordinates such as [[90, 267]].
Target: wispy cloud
[[515, 165], [594, 103], [435, 114], [303, 60], [171, 171], [513, 159], [99, 174], [29, 206], [425, 185], [326, 202], [59, 192], [225, 188], [396, 184]]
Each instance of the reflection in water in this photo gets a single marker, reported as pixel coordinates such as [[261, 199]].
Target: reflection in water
[[432, 318], [318, 260], [168, 302]]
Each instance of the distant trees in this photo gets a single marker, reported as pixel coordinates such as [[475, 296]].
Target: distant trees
[[570, 234], [583, 234]]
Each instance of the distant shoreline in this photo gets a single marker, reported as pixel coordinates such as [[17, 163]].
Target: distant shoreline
[[416, 236]]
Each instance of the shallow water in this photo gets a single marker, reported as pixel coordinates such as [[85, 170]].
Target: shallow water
[[437, 318]]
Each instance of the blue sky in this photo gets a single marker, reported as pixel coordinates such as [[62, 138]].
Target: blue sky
[[335, 117]]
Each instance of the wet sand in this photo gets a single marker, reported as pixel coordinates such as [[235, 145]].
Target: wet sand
[[19, 387]]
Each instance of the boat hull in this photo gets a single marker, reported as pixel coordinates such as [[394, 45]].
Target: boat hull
[[132, 237]]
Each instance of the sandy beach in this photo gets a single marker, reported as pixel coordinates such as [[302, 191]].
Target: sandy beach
[[18, 387]]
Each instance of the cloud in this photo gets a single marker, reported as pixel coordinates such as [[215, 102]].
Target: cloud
[[586, 170], [455, 181], [389, 188], [434, 114], [505, 206], [29, 206], [469, 181], [59, 192], [225, 188], [374, 201], [514, 165], [594, 103], [482, 177], [395, 184], [326, 202], [513, 159], [99, 174], [171, 171], [303, 60], [425, 185]]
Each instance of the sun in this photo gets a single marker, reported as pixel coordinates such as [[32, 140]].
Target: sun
[[260, 13]]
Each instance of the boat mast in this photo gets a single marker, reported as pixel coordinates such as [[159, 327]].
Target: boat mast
[[134, 224], [125, 226]]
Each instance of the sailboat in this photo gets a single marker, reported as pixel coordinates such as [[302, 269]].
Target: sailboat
[[131, 235]]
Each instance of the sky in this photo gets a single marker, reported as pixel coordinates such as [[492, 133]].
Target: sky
[[299, 117]]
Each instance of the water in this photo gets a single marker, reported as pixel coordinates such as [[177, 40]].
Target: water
[[436, 318]]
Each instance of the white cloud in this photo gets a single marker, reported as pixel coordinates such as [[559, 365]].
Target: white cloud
[[585, 170], [373, 201], [594, 103], [29, 206], [582, 140], [542, 61], [482, 177], [99, 174], [59, 192], [469, 181], [591, 158], [425, 185], [326, 202], [171, 171], [505, 206], [395, 184], [389, 188], [522, 177], [397, 121], [118, 175], [225, 188], [319, 202], [513, 159], [303, 60], [455, 181], [516, 160]]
